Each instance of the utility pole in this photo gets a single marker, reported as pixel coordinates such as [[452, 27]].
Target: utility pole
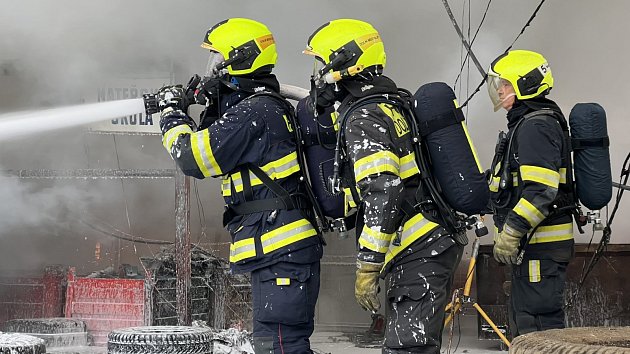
[[182, 247]]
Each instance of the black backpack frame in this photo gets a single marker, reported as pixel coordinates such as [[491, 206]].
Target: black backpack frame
[[453, 222]]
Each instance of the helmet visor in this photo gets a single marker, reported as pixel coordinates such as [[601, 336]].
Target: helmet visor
[[317, 75], [214, 69], [495, 86]]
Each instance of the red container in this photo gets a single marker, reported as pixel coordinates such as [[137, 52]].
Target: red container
[[31, 296], [105, 304]]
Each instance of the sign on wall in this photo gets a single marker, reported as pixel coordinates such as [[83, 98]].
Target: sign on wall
[[129, 88]]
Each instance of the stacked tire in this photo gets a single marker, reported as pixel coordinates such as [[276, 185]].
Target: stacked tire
[[160, 340], [17, 343], [56, 332], [582, 340]]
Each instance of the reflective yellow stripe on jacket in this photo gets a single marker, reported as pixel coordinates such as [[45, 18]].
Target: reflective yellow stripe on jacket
[[382, 161], [542, 175], [563, 175], [545, 234], [200, 144], [348, 200], [534, 271], [414, 228], [242, 249], [286, 235], [375, 240], [277, 169], [528, 211], [408, 166], [171, 135], [553, 233]]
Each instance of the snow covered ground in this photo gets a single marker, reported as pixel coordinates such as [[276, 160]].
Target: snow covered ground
[[323, 342], [338, 343]]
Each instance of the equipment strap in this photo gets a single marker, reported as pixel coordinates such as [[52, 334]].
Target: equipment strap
[[256, 206], [441, 121], [247, 184], [275, 188], [581, 144]]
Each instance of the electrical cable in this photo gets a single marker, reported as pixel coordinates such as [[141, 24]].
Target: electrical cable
[[531, 18], [125, 236], [467, 57]]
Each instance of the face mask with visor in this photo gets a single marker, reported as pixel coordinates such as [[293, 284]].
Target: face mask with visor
[[494, 83], [216, 67]]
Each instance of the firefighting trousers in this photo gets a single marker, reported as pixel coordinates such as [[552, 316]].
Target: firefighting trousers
[[417, 294], [284, 296], [537, 296]]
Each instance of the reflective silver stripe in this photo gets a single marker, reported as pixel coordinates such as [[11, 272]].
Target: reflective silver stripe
[[414, 225], [408, 166], [553, 233], [494, 184], [277, 169], [563, 175], [534, 271], [514, 179], [286, 235], [414, 228], [540, 175], [171, 135], [202, 151], [242, 249], [375, 240], [382, 161], [528, 211]]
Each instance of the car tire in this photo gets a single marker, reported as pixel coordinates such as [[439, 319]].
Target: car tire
[[160, 339], [583, 340], [18, 343]]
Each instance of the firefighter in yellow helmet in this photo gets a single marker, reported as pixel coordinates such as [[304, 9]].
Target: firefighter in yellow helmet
[[531, 195], [414, 254], [245, 138]]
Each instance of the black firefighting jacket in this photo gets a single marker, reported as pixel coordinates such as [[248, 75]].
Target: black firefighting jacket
[[384, 173], [538, 164], [252, 130]]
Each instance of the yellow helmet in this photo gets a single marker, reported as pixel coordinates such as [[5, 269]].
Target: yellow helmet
[[245, 46], [345, 43], [527, 71]]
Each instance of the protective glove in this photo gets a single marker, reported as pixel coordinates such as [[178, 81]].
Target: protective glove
[[366, 285], [171, 98], [506, 245]]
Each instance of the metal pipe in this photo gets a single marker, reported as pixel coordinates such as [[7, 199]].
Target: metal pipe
[[88, 173], [293, 92]]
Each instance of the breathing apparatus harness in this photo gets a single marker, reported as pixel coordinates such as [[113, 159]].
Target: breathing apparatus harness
[[503, 152], [283, 200], [428, 191]]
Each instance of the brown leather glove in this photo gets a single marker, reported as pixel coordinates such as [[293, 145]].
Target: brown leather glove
[[366, 285], [506, 245]]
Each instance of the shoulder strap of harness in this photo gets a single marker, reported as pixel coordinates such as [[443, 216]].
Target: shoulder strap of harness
[[449, 219], [284, 200]]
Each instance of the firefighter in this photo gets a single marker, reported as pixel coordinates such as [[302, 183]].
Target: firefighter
[[529, 190], [245, 138], [416, 257]]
